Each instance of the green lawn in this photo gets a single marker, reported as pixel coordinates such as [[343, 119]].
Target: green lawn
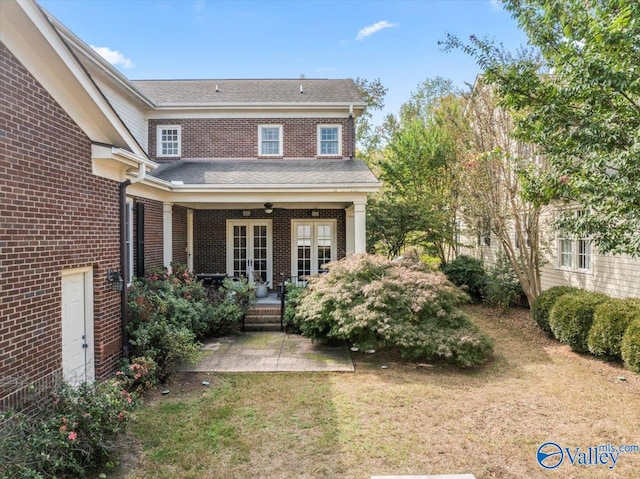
[[405, 419]]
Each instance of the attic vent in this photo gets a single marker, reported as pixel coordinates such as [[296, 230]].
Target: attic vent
[[301, 89]]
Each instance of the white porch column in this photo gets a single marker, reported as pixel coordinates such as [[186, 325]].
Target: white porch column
[[167, 234], [350, 233], [360, 227]]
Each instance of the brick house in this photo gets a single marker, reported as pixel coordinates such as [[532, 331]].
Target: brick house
[[100, 174]]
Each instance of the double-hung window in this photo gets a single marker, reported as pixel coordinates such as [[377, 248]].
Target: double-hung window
[[270, 140], [329, 140], [169, 139], [574, 253]]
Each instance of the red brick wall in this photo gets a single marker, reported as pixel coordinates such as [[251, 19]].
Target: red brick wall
[[180, 234], [209, 237], [54, 215], [238, 137]]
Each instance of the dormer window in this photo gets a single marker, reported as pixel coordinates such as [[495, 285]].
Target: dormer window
[[329, 140], [270, 140], [169, 140]]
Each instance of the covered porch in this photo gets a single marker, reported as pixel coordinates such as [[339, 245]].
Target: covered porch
[[263, 220]]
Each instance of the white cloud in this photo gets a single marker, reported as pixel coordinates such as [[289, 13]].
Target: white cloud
[[114, 57], [371, 29], [497, 5]]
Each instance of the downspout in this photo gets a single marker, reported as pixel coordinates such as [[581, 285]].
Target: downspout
[[124, 265]]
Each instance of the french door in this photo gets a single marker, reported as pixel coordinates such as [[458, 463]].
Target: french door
[[249, 249], [314, 245]]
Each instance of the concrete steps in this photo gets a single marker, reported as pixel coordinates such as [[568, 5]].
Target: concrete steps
[[262, 318]]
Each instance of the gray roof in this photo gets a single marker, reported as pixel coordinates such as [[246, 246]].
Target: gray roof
[[267, 172], [203, 92]]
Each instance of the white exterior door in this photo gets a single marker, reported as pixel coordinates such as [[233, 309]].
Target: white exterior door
[[313, 246], [249, 249], [77, 326]]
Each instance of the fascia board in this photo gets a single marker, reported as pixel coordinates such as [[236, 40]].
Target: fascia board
[[91, 55], [28, 33]]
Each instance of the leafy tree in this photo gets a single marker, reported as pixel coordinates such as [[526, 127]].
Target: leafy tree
[[368, 139], [418, 168], [585, 115], [497, 169]]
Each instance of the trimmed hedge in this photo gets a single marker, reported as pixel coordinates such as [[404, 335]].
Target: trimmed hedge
[[572, 316], [630, 346], [610, 322], [544, 302]]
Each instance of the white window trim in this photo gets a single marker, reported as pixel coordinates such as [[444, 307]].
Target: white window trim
[[314, 242], [319, 142], [159, 129], [274, 155], [574, 241]]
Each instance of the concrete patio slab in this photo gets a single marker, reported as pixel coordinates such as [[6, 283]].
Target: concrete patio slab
[[271, 352]]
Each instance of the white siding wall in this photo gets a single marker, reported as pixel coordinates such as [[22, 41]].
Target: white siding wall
[[131, 114], [616, 276]]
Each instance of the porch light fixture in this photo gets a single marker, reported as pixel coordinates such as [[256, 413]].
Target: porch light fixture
[[114, 278], [315, 213], [268, 208]]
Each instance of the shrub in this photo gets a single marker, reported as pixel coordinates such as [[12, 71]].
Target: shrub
[[572, 316], [610, 321], [501, 287], [228, 304], [371, 301], [630, 346], [293, 298], [467, 273], [70, 432], [544, 302]]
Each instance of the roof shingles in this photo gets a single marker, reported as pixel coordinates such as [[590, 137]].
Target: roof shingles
[[287, 91], [292, 172]]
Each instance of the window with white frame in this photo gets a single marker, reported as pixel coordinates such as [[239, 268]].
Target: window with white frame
[[314, 245], [169, 139], [270, 140], [574, 253], [329, 140]]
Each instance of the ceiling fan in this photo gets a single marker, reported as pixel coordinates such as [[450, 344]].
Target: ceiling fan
[[269, 208]]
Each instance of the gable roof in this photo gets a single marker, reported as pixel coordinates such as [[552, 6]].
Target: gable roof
[[251, 91], [265, 173], [30, 35]]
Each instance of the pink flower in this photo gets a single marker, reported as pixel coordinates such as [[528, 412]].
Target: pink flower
[[72, 436], [63, 428]]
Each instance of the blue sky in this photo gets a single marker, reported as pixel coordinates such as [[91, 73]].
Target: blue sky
[[396, 41]]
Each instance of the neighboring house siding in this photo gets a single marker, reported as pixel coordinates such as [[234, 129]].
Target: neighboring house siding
[[210, 249], [180, 234], [54, 215], [238, 137]]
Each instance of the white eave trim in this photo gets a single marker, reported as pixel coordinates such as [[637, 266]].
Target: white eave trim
[[334, 188], [248, 105], [105, 152]]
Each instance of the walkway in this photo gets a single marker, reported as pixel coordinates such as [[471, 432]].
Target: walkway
[[271, 352]]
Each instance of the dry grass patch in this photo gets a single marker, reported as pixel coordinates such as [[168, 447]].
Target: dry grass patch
[[405, 419]]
